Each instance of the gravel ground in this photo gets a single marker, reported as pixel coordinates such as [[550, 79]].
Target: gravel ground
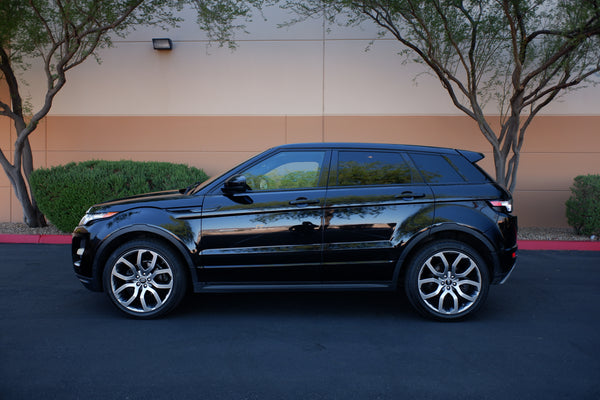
[[23, 229], [551, 234], [524, 233]]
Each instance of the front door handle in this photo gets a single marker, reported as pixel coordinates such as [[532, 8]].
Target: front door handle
[[409, 195], [301, 201]]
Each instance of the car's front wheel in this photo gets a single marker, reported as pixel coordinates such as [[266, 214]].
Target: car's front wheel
[[447, 280], [144, 279]]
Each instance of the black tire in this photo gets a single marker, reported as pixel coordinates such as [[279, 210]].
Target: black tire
[[144, 279], [447, 280]]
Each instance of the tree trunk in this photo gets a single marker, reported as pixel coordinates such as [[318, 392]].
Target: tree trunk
[[32, 215], [500, 167]]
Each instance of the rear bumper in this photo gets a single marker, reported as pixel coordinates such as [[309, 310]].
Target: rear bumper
[[508, 275], [508, 262]]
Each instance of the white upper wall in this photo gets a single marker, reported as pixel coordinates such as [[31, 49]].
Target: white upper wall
[[305, 69]]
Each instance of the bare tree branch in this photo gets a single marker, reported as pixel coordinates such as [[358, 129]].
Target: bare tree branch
[[522, 53], [63, 34]]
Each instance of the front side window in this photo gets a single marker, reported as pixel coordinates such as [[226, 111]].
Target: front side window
[[286, 170], [372, 168]]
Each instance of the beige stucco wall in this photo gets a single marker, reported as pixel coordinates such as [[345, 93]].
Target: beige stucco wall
[[212, 107], [557, 147]]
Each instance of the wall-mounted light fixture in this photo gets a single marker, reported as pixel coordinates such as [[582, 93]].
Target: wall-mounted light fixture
[[162, 44]]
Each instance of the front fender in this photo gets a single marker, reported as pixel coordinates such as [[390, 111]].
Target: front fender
[[183, 242]]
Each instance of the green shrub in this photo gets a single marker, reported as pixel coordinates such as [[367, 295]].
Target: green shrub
[[65, 192], [583, 207]]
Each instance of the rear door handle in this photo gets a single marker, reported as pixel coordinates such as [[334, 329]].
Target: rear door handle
[[409, 195], [300, 201]]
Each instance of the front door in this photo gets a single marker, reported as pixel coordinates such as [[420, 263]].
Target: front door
[[272, 231]]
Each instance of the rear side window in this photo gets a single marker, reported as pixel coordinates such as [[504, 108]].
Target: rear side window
[[372, 168], [436, 168]]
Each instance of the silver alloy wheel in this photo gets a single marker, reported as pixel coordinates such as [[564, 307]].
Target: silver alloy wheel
[[141, 280], [449, 282]]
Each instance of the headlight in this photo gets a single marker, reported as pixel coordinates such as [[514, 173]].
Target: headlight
[[89, 217]]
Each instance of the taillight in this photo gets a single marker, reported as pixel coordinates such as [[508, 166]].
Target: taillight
[[505, 205]]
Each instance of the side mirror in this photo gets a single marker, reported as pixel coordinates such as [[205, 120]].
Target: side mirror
[[235, 184]]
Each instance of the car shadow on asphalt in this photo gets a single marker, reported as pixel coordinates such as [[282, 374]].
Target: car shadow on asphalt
[[301, 304]]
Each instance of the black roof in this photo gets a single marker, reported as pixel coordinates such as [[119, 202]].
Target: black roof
[[470, 155]]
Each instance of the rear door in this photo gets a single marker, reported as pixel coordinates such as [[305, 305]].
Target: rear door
[[375, 202]]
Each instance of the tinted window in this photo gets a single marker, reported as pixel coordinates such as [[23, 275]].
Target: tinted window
[[469, 171], [286, 170], [372, 168], [436, 169]]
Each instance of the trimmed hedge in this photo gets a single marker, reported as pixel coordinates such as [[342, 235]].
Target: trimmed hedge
[[583, 207], [64, 193]]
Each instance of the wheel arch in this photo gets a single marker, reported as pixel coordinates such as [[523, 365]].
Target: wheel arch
[[140, 232], [460, 233]]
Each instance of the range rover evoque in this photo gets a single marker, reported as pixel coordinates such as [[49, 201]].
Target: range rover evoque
[[320, 216]]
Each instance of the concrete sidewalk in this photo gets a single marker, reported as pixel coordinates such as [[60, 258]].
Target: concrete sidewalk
[[523, 244]]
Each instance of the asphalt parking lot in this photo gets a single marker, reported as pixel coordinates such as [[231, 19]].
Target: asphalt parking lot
[[537, 337]]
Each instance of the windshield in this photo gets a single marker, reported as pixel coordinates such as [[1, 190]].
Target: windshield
[[193, 189]]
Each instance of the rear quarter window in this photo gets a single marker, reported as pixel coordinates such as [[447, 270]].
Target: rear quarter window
[[471, 172], [446, 169]]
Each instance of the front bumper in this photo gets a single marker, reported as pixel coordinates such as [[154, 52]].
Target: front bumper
[[82, 256]]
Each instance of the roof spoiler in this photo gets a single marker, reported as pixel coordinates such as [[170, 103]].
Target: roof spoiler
[[472, 156]]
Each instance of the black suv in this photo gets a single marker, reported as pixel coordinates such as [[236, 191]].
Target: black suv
[[322, 216]]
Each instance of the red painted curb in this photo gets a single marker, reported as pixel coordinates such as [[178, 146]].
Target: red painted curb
[[558, 245], [55, 239], [35, 239], [19, 238]]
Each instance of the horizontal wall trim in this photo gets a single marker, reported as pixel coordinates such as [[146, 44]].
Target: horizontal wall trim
[[458, 115], [555, 151], [486, 153], [542, 191], [275, 40]]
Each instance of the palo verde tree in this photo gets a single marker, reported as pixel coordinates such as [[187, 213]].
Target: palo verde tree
[[518, 55], [62, 34]]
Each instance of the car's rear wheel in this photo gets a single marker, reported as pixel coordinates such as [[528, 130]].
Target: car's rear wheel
[[144, 279], [447, 280]]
